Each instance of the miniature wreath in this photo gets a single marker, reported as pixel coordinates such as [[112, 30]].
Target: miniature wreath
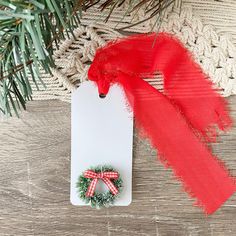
[[87, 183]]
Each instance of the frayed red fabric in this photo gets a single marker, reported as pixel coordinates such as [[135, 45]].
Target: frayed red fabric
[[178, 121]]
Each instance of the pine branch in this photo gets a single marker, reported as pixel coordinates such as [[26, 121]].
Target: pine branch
[[27, 32]]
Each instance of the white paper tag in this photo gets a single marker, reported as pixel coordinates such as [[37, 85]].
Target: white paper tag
[[101, 134]]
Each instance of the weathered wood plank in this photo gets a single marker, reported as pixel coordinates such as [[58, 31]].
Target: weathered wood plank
[[35, 175]]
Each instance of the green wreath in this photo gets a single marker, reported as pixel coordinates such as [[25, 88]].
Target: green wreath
[[98, 200]]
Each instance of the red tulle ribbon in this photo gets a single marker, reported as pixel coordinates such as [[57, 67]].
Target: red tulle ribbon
[[178, 121], [105, 177]]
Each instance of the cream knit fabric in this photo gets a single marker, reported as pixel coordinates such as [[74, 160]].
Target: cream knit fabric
[[215, 51]]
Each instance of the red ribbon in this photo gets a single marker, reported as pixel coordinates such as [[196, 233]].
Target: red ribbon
[[105, 177], [179, 120]]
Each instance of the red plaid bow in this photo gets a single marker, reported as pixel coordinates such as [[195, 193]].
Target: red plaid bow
[[105, 177]]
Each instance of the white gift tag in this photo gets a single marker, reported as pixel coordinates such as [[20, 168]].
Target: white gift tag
[[101, 134]]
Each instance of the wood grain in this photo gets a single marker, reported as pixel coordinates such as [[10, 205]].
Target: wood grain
[[35, 183]]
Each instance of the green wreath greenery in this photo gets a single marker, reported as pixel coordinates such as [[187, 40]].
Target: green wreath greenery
[[98, 200]]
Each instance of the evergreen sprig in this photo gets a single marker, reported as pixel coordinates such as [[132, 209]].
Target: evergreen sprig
[[27, 31], [99, 199]]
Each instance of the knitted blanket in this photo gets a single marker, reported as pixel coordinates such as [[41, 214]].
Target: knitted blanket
[[210, 37]]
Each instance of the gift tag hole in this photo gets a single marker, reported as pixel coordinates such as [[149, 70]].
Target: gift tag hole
[[102, 95]]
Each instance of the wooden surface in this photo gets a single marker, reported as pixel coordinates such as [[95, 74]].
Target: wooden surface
[[35, 183]]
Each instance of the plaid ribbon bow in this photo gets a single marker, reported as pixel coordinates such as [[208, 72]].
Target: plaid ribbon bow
[[105, 177]]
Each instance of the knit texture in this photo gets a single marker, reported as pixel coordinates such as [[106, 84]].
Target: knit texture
[[216, 53]]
